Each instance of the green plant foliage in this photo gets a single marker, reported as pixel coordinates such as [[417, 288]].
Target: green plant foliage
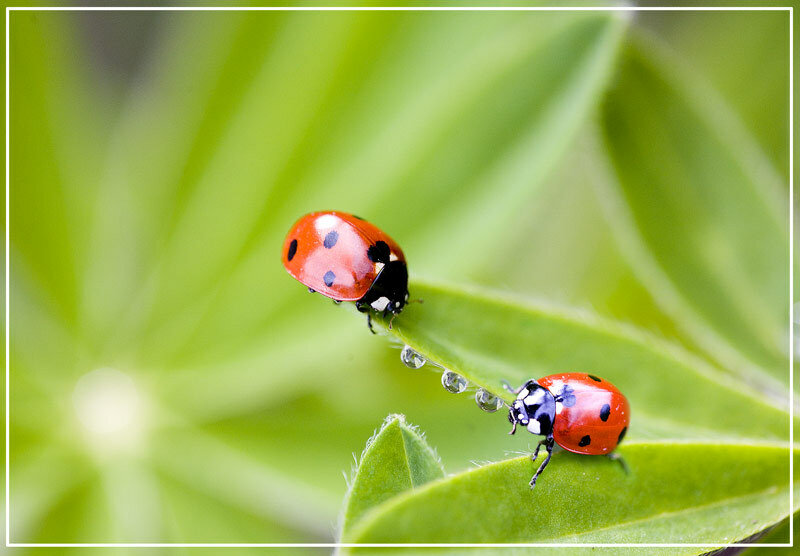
[[680, 156], [778, 534], [730, 47], [396, 459], [675, 492], [157, 160], [148, 215], [489, 337]]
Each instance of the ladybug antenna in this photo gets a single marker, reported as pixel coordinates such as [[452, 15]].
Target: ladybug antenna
[[418, 300], [391, 320]]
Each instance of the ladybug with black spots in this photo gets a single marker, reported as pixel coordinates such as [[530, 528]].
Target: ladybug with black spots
[[583, 413], [346, 258]]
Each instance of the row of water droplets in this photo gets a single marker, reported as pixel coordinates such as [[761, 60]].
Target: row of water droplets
[[452, 382]]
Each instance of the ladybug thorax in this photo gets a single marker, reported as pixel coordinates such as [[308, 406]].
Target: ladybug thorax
[[534, 408]]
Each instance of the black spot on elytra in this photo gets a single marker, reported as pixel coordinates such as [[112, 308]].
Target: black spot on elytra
[[585, 441], [605, 411], [594, 378], [329, 278], [331, 239], [622, 434], [292, 250], [379, 253]]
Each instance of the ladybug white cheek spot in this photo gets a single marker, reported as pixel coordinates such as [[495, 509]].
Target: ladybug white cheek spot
[[559, 408], [392, 257], [380, 304], [535, 398], [534, 426]]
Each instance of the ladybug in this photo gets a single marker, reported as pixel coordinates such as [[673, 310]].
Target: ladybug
[[346, 258], [583, 413]]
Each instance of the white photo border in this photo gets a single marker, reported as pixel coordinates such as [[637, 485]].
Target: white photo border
[[788, 9]]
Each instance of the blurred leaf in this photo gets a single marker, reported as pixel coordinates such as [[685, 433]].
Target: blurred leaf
[[183, 101], [674, 493], [192, 514], [395, 460], [56, 123], [699, 213], [488, 337], [730, 48], [296, 509]]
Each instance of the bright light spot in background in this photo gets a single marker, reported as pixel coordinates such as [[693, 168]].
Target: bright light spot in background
[[110, 407]]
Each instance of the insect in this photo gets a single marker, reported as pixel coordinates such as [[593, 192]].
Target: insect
[[581, 412], [346, 258]]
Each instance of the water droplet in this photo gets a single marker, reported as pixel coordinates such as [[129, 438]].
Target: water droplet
[[487, 401], [454, 382], [411, 358]]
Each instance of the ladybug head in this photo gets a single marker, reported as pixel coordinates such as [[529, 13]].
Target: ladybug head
[[517, 414], [534, 408]]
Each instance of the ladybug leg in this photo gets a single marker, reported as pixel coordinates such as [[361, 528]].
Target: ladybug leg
[[613, 456], [549, 445], [362, 307], [536, 452], [509, 388], [337, 302]]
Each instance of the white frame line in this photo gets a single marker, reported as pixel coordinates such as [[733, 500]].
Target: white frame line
[[790, 9], [791, 276], [7, 321]]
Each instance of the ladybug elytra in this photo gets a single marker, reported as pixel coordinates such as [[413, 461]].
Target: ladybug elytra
[[581, 412], [346, 258]]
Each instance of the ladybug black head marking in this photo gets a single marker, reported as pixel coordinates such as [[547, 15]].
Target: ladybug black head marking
[[534, 408]]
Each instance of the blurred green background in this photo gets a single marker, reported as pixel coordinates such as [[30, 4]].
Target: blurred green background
[[171, 383]]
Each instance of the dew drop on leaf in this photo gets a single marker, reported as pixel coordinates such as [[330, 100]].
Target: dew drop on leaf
[[487, 401], [411, 358], [454, 382]]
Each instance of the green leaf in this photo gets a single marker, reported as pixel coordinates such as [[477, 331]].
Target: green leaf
[[395, 460], [711, 493], [733, 47], [700, 212], [777, 535], [488, 337], [59, 140]]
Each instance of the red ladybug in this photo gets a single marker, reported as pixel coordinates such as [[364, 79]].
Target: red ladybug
[[583, 413], [346, 258]]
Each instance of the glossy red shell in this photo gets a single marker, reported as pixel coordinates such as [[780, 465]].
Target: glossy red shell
[[579, 425], [345, 262]]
